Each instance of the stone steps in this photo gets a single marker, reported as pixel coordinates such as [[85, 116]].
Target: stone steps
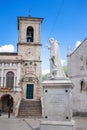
[[30, 108]]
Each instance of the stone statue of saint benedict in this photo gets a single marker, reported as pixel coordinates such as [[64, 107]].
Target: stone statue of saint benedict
[[56, 70]]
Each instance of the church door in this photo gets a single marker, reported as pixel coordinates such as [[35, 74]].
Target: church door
[[29, 91]]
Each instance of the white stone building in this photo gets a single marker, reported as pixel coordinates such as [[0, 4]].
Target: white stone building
[[77, 72], [20, 73]]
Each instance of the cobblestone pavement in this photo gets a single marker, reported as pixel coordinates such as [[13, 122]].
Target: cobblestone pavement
[[13, 123]]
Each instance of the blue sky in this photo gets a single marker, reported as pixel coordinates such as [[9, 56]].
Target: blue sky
[[65, 20]]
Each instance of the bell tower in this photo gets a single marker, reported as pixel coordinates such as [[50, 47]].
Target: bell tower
[[29, 48], [29, 29]]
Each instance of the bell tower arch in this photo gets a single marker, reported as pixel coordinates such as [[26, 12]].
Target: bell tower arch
[[29, 26], [29, 34]]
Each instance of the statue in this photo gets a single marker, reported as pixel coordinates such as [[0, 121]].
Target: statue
[[56, 70]]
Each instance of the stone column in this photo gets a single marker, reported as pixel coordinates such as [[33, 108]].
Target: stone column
[[2, 75], [18, 73]]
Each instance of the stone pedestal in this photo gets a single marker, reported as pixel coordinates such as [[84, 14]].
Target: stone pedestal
[[57, 105], [57, 125]]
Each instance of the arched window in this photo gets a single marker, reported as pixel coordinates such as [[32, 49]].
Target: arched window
[[10, 79], [30, 34], [83, 85]]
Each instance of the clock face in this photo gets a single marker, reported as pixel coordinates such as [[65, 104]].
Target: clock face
[[29, 50], [29, 53]]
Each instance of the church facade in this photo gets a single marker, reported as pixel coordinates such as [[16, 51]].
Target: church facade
[[77, 72], [20, 73]]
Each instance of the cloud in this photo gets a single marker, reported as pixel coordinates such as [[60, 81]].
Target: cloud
[[7, 48], [77, 44], [63, 62], [46, 71]]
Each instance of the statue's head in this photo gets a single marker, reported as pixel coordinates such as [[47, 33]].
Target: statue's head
[[51, 40]]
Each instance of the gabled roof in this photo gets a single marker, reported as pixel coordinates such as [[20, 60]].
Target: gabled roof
[[78, 46]]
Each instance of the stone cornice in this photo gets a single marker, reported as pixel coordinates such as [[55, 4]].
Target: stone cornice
[[31, 61], [17, 61], [10, 61], [8, 53], [29, 44], [34, 19]]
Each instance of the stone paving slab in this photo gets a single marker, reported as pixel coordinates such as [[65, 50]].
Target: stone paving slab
[[33, 124], [13, 123], [81, 123]]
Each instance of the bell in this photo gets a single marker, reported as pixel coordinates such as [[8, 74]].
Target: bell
[[30, 35]]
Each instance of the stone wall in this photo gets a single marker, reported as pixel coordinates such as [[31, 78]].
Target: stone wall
[[77, 72]]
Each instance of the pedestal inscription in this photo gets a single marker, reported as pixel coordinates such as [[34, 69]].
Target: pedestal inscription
[[56, 104]]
